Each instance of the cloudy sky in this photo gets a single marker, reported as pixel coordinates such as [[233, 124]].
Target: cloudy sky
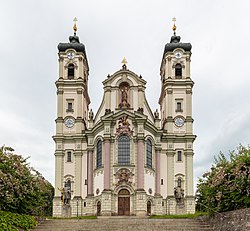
[[137, 29]]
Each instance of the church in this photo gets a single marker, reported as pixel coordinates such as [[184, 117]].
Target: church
[[124, 159]]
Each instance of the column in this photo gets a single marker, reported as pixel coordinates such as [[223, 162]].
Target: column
[[158, 171], [140, 164], [90, 173], [107, 164]]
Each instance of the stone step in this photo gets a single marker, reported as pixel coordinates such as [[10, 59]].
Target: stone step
[[123, 224]]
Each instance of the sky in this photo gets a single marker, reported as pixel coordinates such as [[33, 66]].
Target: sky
[[138, 30]]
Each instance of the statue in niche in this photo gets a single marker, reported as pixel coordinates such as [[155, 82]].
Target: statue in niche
[[124, 97], [179, 195]]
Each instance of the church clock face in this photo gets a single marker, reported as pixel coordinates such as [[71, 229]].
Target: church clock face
[[178, 54], [70, 55], [69, 122], [179, 121]]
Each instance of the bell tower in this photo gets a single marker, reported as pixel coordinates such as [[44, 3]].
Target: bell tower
[[72, 119], [177, 122]]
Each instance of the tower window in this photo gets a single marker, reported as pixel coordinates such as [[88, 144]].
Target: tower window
[[123, 150], [69, 157], [99, 154], [178, 71], [149, 153], [161, 181], [70, 107], [71, 71], [179, 156], [178, 107]]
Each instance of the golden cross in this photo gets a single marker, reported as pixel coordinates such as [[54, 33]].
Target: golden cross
[[174, 26], [75, 27], [124, 61]]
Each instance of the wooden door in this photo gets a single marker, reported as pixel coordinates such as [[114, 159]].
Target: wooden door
[[124, 206]]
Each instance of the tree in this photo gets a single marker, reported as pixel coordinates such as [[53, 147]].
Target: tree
[[227, 185], [22, 188]]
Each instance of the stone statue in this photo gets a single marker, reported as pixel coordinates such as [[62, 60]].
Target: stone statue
[[156, 114], [124, 98], [179, 195], [91, 115], [65, 195]]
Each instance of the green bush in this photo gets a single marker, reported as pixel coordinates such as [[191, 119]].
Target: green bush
[[227, 186], [12, 221], [22, 188]]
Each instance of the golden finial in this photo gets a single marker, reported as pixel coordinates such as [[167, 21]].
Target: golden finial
[[124, 61], [75, 27], [174, 26]]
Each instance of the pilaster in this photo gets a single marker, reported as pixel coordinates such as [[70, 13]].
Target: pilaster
[[90, 173], [78, 173], [170, 172], [59, 165], [140, 165]]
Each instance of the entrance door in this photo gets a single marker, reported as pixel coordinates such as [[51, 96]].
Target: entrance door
[[124, 203]]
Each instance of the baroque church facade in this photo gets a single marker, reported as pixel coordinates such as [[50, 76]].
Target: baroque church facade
[[125, 159]]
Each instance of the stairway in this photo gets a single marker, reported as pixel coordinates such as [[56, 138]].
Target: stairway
[[123, 224]]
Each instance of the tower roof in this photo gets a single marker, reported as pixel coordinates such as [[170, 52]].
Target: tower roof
[[175, 42], [74, 42]]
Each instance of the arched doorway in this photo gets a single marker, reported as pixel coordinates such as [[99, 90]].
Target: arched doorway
[[123, 202], [98, 208], [149, 208]]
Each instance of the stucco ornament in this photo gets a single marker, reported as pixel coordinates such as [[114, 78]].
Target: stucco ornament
[[123, 126], [123, 176]]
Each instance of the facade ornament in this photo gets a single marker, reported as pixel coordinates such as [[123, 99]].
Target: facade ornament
[[123, 176], [140, 110], [179, 195], [107, 111], [123, 126], [91, 115], [156, 114]]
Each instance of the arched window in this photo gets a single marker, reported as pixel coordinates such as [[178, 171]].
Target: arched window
[[149, 153], [99, 154], [123, 150], [178, 71], [71, 71]]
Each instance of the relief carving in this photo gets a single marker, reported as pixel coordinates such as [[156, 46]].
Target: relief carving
[[123, 126], [123, 176]]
